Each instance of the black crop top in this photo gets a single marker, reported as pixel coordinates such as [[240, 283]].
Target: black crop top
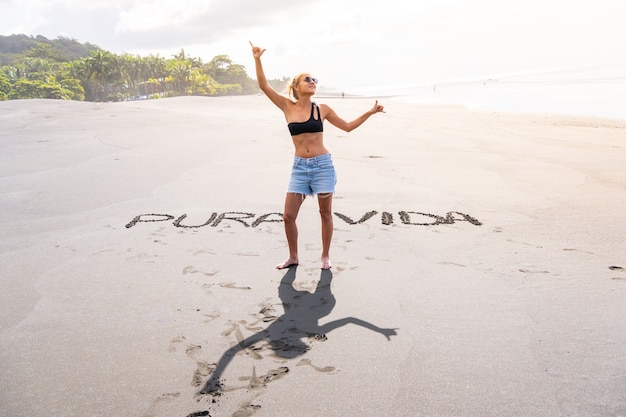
[[310, 126]]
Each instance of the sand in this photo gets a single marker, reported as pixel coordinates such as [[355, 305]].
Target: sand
[[478, 263]]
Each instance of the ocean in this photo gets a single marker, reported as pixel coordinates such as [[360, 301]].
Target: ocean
[[596, 91]]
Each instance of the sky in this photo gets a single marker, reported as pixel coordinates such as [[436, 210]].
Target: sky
[[345, 43]]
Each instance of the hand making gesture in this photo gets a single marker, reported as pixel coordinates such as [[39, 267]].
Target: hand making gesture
[[377, 108], [256, 51]]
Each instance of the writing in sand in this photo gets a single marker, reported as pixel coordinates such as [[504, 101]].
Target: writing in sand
[[412, 218]]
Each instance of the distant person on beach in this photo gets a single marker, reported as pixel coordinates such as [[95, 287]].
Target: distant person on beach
[[313, 172]]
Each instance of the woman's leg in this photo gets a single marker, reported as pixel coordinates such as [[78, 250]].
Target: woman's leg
[[326, 212], [293, 202]]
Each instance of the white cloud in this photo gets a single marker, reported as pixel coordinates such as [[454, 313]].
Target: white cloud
[[159, 14], [351, 42]]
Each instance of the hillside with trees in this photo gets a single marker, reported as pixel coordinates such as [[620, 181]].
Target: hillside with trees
[[36, 67], [61, 49]]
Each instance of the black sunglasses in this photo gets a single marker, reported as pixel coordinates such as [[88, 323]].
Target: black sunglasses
[[309, 79]]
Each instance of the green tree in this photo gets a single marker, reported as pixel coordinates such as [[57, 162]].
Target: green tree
[[73, 89], [33, 69], [224, 71], [218, 68], [53, 91], [40, 69], [101, 68], [180, 73], [15, 47], [24, 89], [202, 84], [44, 51], [280, 84], [133, 72], [5, 87], [229, 89]]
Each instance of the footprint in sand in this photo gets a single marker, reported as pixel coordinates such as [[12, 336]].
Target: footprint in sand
[[318, 337], [199, 414], [191, 349], [577, 250], [267, 311], [305, 286], [262, 380], [212, 316], [203, 368], [143, 258], [233, 286], [159, 232], [371, 258], [618, 269], [161, 401], [175, 341], [203, 252], [451, 263], [233, 329], [529, 271], [247, 410], [307, 362], [192, 270]]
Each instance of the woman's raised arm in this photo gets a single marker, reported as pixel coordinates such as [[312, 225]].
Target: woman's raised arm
[[279, 100]]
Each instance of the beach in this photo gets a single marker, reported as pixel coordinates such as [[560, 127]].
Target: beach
[[478, 263]]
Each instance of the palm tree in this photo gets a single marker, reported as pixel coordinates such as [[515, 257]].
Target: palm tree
[[83, 70], [156, 72], [103, 67], [218, 67], [180, 71]]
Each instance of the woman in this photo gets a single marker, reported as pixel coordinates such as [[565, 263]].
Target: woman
[[313, 171]]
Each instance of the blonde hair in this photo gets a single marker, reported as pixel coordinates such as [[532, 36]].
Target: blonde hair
[[292, 87]]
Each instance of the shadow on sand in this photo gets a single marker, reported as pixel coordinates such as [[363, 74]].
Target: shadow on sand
[[288, 334]]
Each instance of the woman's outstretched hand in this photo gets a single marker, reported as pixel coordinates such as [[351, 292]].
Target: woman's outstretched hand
[[256, 51], [377, 108]]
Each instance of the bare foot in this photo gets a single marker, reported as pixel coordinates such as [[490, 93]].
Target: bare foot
[[287, 263], [326, 263]]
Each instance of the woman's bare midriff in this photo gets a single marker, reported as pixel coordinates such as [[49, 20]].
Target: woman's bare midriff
[[309, 145]]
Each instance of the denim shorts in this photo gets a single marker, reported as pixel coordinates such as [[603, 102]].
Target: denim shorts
[[311, 176]]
